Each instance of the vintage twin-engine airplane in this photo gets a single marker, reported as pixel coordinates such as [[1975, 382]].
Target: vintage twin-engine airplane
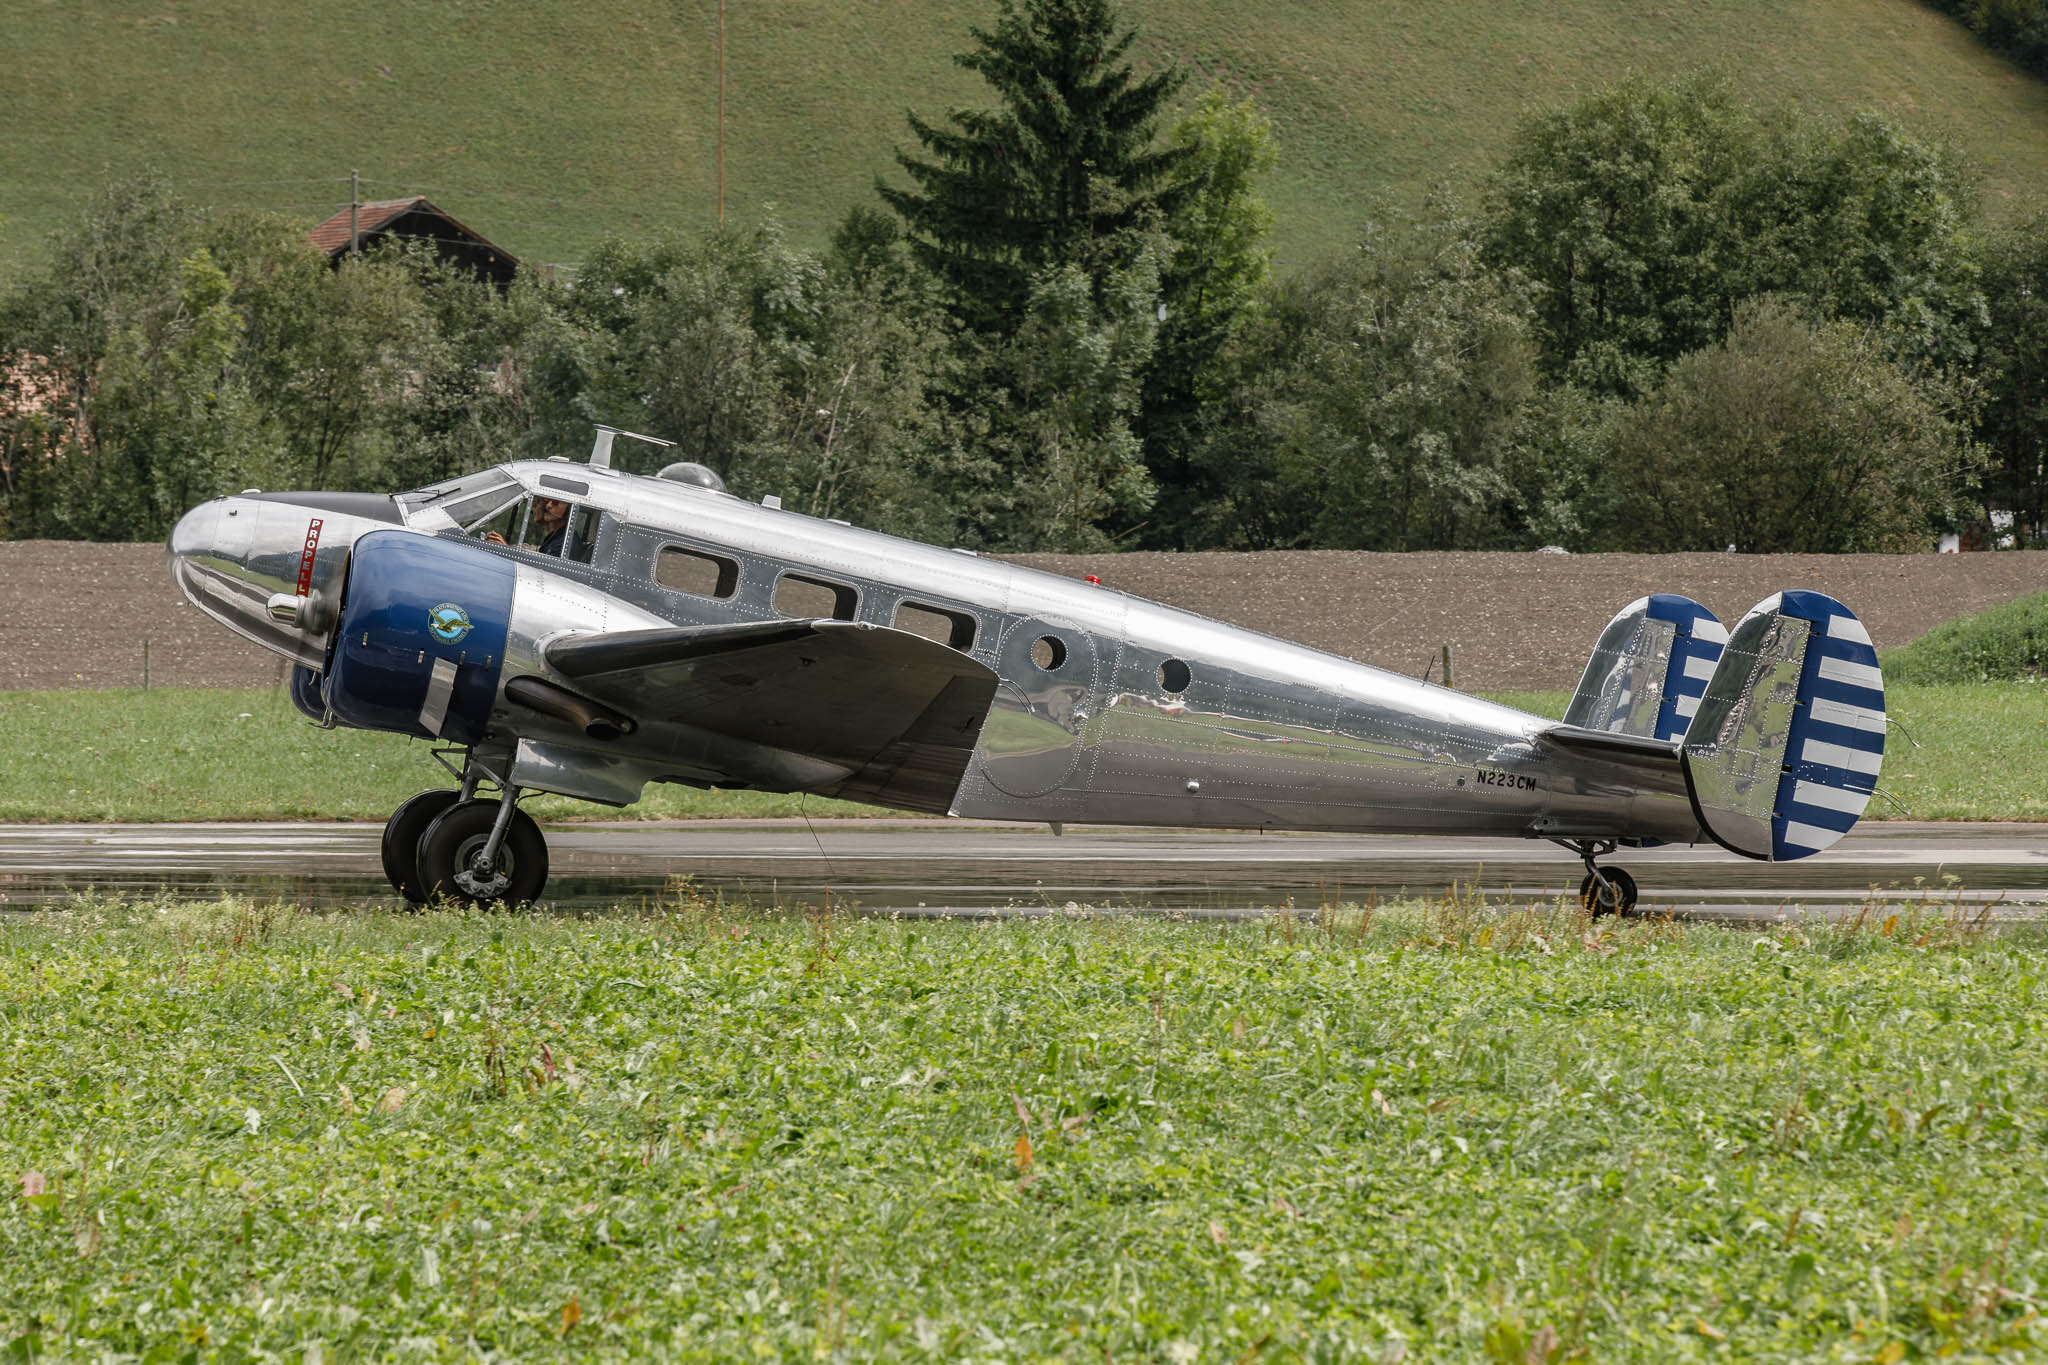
[[577, 629]]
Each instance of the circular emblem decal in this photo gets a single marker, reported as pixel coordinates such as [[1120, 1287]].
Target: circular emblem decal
[[448, 622]]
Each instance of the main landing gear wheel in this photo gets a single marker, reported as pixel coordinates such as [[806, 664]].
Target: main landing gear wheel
[[402, 834], [1608, 891], [451, 861]]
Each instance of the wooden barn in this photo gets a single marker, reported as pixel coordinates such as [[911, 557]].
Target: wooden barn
[[418, 219]]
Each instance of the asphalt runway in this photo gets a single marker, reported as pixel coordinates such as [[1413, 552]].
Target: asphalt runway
[[979, 868]]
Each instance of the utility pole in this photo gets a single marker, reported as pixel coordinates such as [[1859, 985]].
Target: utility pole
[[355, 196], [721, 113]]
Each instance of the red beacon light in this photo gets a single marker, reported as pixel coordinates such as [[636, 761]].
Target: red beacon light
[[1095, 580]]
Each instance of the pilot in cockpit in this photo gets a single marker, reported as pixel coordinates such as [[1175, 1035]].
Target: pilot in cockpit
[[551, 516]]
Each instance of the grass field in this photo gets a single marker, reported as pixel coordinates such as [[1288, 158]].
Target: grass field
[[1439, 1133], [209, 754], [192, 754], [546, 127], [2007, 642]]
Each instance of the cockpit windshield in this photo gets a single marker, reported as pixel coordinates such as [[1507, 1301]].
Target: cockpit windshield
[[468, 502], [474, 510], [448, 488]]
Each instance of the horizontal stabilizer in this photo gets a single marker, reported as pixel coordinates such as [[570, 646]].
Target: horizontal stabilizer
[[1609, 744], [1785, 750]]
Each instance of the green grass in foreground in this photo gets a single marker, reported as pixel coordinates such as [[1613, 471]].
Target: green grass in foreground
[[190, 754], [238, 1131]]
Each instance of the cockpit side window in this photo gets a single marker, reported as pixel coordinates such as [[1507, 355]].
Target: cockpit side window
[[502, 526], [582, 537], [492, 506]]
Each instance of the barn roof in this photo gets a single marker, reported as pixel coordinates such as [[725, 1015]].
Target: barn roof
[[416, 217], [332, 235]]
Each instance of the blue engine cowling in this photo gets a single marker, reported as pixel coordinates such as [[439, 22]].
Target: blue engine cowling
[[309, 693], [412, 600]]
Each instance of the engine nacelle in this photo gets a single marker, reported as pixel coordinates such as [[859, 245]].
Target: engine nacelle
[[416, 604], [309, 693]]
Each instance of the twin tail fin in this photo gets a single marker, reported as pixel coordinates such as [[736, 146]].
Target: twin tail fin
[[1783, 753], [1779, 725], [1650, 669]]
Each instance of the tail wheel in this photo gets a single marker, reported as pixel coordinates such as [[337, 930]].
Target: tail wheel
[[451, 856], [1608, 891], [402, 833]]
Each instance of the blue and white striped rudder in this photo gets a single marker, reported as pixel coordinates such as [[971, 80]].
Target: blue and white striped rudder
[[1785, 749], [1649, 669]]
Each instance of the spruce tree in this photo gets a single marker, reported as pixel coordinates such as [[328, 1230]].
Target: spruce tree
[[1063, 171]]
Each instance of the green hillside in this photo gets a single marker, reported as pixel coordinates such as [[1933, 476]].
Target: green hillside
[[545, 126]]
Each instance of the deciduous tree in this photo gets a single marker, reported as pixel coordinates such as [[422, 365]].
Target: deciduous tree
[[1410, 366], [2014, 420], [1794, 435], [1644, 214], [1611, 208], [1067, 461], [1212, 285]]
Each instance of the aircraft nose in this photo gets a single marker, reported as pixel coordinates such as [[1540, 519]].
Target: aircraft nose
[[193, 534], [197, 557], [268, 570]]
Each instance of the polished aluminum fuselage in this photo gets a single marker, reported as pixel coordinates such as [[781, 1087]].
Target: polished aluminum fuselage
[[1263, 734]]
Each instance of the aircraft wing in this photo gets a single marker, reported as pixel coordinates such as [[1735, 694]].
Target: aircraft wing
[[901, 712]]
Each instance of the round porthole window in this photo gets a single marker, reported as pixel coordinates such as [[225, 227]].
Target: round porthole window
[[1174, 676], [1049, 652]]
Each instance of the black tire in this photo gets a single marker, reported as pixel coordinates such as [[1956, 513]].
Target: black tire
[[1609, 892], [460, 832], [402, 842]]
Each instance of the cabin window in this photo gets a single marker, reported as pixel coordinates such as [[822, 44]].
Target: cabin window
[[952, 628], [810, 598], [696, 573], [1049, 652], [1174, 676]]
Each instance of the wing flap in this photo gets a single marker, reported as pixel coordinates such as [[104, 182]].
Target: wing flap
[[902, 712]]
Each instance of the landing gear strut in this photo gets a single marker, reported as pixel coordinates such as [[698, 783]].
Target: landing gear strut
[[449, 844], [1606, 890]]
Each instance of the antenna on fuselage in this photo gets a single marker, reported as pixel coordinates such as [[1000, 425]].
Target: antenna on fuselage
[[601, 448]]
